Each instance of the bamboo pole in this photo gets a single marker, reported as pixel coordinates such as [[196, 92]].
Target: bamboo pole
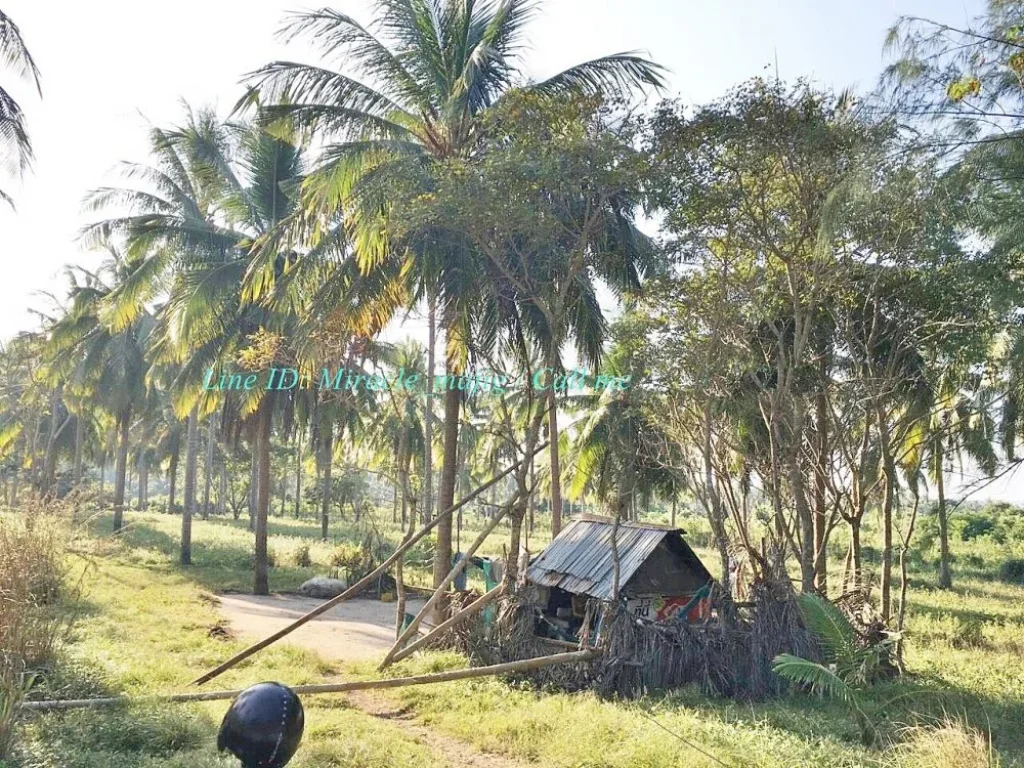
[[453, 574], [465, 613], [364, 685], [360, 585]]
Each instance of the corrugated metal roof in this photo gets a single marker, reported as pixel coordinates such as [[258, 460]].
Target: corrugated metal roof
[[579, 560]]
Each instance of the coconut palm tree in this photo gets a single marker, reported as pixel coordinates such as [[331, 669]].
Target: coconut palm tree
[[418, 82], [110, 364], [15, 147]]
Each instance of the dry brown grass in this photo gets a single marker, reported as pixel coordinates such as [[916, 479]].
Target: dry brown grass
[[33, 615], [950, 744]]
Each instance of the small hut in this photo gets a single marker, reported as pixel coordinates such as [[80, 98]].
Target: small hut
[[660, 578]]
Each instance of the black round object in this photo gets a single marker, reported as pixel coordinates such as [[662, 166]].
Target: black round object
[[263, 726]]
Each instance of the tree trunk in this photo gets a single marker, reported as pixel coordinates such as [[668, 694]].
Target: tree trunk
[[211, 439], [143, 479], [103, 473], [556, 469], [325, 494], [428, 416], [222, 492], [820, 513], [856, 554], [50, 455], [446, 491], [191, 459], [253, 484], [261, 584], [888, 499], [121, 470], [172, 478], [76, 472], [945, 571], [298, 475]]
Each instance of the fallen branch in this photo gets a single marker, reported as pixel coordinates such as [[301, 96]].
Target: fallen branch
[[360, 585], [442, 588], [365, 685], [465, 613]]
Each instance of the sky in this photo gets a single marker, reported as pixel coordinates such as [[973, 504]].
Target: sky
[[110, 68]]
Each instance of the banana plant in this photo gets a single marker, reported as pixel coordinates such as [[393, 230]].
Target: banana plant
[[847, 666]]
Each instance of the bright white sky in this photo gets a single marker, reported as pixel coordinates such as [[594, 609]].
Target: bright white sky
[[110, 67]]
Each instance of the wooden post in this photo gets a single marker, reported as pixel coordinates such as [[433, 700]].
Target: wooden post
[[443, 586], [465, 613], [577, 657], [359, 586]]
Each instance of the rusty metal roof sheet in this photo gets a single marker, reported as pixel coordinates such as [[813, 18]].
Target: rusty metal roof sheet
[[579, 560]]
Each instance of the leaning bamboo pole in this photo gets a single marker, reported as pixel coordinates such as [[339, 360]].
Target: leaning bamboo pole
[[477, 605], [441, 589], [360, 585], [364, 685]]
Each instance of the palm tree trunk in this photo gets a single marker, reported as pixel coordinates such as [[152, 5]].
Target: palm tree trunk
[[76, 472], [143, 478], [261, 584], [103, 473], [945, 571], [208, 474], [222, 492], [121, 470], [13, 503], [191, 457], [172, 476], [298, 476], [253, 484], [325, 495], [446, 489], [428, 416], [556, 471]]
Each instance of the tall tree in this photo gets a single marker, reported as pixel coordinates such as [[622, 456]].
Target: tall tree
[[15, 146]]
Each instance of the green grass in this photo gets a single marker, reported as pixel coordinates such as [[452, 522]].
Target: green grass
[[145, 626]]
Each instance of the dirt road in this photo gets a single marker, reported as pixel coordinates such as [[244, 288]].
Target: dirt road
[[354, 631]]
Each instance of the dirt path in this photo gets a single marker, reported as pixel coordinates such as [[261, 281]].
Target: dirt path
[[450, 753], [353, 631]]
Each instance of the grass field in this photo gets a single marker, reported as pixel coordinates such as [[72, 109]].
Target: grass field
[[145, 626]]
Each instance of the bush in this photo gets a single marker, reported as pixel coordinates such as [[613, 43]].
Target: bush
[[271, 558], [347, 557], [302, 556], [1012, 571], [975, 526], [970, 634]]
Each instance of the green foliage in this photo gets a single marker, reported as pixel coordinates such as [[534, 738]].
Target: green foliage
[[301, 556], [1012, 571]]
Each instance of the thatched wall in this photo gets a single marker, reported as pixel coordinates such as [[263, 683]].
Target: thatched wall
[[728, 655]]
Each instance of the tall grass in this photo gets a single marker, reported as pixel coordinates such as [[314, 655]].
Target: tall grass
[[950, 744], [33, 618]]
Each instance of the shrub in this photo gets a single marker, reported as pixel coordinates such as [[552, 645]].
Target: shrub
[[970, 634], [976, 526], [271, 558], [1012, 571], [347, 557], [302, 556]]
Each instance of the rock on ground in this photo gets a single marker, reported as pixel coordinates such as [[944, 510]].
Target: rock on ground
[[323, 588]]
